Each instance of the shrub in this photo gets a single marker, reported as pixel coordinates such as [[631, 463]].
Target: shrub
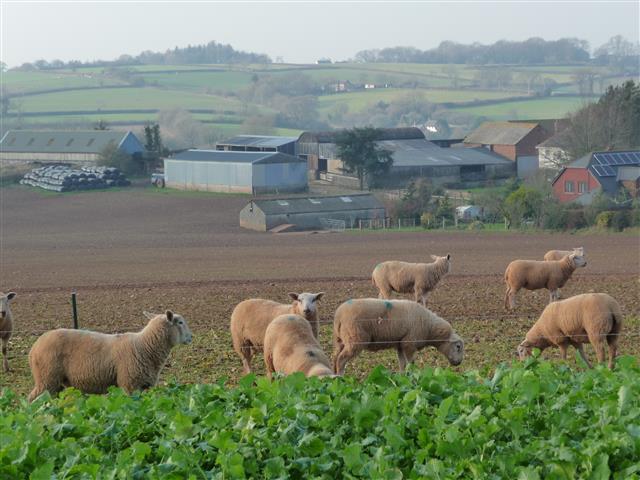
[[603, 219], [620, 220], [475, 225], [427, 220]]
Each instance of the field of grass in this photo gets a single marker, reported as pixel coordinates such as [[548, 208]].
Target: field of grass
[[18, 82], [539, 108]]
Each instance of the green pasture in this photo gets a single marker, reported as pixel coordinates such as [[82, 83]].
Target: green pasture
[[549, 107], [20, 82], [214, 80]]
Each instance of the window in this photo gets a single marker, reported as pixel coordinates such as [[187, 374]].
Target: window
[[90, 142], [582, 187], [346, 199], [568, 186], [70, 142]]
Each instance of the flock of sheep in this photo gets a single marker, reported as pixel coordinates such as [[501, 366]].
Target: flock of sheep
[[287, 334]]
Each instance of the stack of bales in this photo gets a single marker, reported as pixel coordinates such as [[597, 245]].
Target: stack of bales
[[61, 178]]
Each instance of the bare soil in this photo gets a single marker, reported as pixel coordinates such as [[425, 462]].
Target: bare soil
[[143, 249]]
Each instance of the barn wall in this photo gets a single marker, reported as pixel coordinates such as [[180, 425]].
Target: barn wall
[[50, 157], [279, 177], [131, 145], [308, 221], [208, 176], [253, 218]]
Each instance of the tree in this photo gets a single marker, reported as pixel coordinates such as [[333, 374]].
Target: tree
[[112, 156], [361, 155], [101, 125]]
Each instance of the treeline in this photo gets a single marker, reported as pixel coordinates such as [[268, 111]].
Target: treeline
[[532, 51], [211, 53]]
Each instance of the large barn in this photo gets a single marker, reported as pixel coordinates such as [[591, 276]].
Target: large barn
[[307, 213], [259, 143], [413, 157], [240, 172], [82, 146]]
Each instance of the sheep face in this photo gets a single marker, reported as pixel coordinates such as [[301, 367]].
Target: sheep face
[[5, 299], [180, 332], [306, 303], [525, 350], [453, 350], [578, 260], [446, 259], [579, 251]]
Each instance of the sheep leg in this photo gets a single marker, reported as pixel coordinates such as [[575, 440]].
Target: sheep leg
[[268, 363], [554, 295], [402, 359], [337, 349], [348, 352], [580, 348], [510, 298], [563, 351], [384, 291], [5, 360], [408, 351], [420, 296], [613, 347], [246, 355]]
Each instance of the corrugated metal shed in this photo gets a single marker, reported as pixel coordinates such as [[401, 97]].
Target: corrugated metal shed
[[423, 153], [221, 156], [500, 133], [628, 173], [319, 204], [385, 134], [257, 141], [64, 142]]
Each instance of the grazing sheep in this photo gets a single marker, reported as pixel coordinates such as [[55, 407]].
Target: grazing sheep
[[558, 254], [6, 325], [250, 319], [92, 361], [374, 324], [593, 318], [403, 277], [534, 275], [290, 346]]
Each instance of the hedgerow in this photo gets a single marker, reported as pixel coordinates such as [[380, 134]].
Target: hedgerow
[[526, 421]]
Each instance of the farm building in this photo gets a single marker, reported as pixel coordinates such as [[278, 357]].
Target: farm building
[[509, 139], [413, 157], [598, 171], [64, 146], [259, 143], [553, 151], [241, 172], [307, 213], [469, 212]]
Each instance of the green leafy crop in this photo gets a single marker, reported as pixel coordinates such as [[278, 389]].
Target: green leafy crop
[[531, 420]]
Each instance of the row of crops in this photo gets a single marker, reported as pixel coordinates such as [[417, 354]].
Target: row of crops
[[62, 178], [530, 420]]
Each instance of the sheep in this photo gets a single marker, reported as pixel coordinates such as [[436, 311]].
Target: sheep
[[558, 254], [404, 277], [92, 361], [534, 275], [250, 319], [290, 346], [6, 326], [375, 324], [587, 318]]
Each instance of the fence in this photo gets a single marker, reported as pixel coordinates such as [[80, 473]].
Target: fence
[[333, 225]]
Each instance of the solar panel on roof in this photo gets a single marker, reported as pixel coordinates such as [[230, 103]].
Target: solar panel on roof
[[597, 169], [609, 172], [596, 160]]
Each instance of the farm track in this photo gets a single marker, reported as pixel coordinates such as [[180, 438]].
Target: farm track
[[140, 249]]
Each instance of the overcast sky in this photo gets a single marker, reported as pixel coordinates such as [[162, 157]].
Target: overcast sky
[[298, 32]]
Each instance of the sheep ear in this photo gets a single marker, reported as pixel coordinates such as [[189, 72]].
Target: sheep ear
[[318, 296], [294, 296], [448, 256], [433, 257], [149, 315], [11, 295], [169, 315]]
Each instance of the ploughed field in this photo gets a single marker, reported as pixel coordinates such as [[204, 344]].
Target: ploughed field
[[141, 249]]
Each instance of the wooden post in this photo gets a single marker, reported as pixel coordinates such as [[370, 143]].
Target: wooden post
[[74, 308], [443, 223], [398, 223], [360, 224]]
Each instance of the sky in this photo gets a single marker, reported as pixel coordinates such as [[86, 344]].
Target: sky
[[296, 31]]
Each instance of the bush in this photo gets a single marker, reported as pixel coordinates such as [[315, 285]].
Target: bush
[[476, 225], [427, 220], [603, 219], [620, 220]]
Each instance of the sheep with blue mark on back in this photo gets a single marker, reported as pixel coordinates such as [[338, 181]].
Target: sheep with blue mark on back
[[406, 326]]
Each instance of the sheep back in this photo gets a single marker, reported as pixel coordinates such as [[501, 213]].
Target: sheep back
[[250, 319], [534, 274]]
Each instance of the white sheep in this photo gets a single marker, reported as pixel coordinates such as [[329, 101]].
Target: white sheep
[[593, 318], [534, 275], [404, 277], [92, 361], [290, 346], [6, 325], [406, 326], [558, 254], [250, 319]]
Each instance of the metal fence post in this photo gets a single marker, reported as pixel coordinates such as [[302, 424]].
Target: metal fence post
[[74, 308]]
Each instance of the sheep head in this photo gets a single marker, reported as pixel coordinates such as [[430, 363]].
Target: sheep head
[[179, 329], [5, 299], [578, 260], [525, 349], [446, 259], [305, 304], [453, 349]]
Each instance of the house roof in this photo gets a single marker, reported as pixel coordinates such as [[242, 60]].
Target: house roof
[[417, 153], [221, 156], [338, 203], [47, 141], [407, 133], [500, 133], [258, 141]]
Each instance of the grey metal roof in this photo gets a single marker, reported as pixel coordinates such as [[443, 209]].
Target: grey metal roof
[[423, 153], [221, 156], [406, 133], [338, 203], [47, 141], [260, 141], [500, 133]]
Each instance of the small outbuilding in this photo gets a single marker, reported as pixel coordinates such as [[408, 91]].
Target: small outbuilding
[[308, 213], [236, 172]]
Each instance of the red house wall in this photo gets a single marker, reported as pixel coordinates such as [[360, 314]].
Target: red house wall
[[574, 175]]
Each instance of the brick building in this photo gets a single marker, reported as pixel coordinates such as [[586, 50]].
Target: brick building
[[509, 139]]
